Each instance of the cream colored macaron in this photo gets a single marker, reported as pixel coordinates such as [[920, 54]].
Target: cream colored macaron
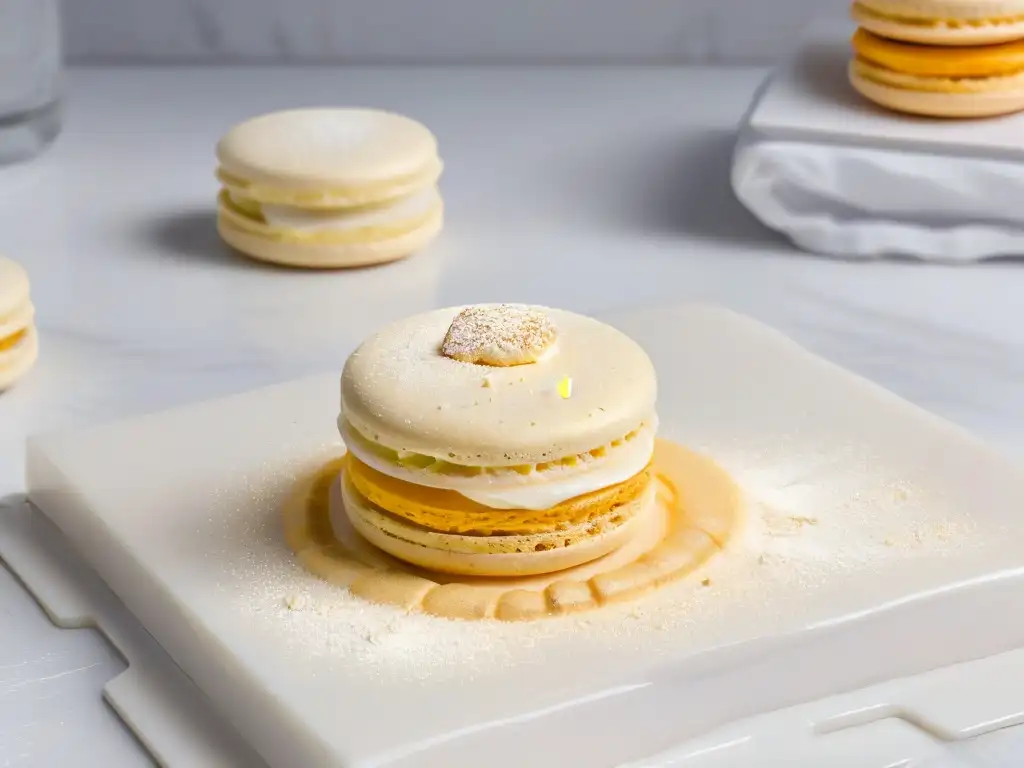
[[329, 188], [498, 426], [19, 344], [942, 22]]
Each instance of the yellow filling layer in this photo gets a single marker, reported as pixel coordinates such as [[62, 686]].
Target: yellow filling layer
[[12, 341], [922, 21], [451, 512], [329, 197], [246, 216], [411, 460], [932, 61], [395, 528]]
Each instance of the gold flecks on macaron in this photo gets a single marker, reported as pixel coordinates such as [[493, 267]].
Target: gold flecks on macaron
[[499, 335]]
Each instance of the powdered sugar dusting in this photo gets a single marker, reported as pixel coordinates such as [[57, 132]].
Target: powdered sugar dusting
[[818, 521]]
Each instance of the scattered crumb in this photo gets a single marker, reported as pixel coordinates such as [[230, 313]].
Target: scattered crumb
[[486, 383], [930, 535], [705, 582], [296, 602], [782, 524]]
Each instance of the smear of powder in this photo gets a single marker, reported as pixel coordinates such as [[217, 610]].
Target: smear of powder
[[816, 521]]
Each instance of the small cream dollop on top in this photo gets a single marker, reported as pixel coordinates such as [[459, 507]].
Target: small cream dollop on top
[[499, 335]]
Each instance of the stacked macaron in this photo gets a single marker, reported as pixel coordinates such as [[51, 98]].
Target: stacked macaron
[[328, 188], [498, 440], [19, 345], [940, 58]]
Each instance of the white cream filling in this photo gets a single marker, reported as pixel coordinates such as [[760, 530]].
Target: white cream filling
[[547, 494], [538, 490], [412, 206]]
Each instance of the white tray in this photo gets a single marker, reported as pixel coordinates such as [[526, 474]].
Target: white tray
[[810, 99], [917, 537], [960, 716]]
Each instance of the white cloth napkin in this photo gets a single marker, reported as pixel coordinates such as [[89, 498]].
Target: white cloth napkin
[[863, 202]]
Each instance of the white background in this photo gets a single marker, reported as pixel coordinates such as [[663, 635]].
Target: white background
[[438, 31]]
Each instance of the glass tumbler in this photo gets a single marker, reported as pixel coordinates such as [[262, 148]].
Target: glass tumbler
[[30, 77]]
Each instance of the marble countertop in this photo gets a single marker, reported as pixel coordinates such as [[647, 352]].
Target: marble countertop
[[588, 189]]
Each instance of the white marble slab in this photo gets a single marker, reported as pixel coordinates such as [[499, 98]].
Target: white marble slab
[[587, 189], [606, 31], [181, 535]]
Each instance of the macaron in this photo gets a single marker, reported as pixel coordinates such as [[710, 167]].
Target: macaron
[[19, 345], [329, 188], [942, 22], [498, 439], [982, 81]]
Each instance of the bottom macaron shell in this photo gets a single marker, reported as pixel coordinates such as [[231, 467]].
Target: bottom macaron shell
[[325, 255], [401, 541], [17, 361], [937, 104]]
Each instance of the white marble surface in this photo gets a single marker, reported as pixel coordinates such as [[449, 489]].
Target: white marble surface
[[528, 31], [586, 189]]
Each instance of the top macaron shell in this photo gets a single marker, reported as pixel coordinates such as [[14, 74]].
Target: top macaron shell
[[942, 22], [317, 149], [398, 390]]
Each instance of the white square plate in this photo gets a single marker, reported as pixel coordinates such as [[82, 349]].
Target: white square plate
[[878, 535], [810, 99]]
